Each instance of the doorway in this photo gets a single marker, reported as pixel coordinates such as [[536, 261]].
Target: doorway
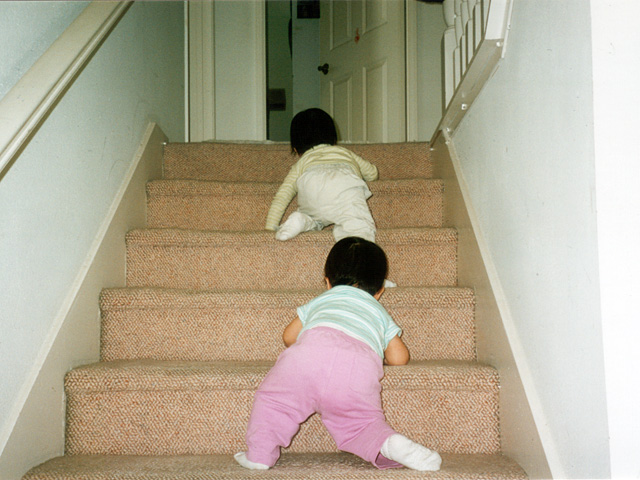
[[292, 43], [362, 45], [228, 75]]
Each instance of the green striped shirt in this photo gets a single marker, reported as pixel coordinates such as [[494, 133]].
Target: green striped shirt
[[354, 312]]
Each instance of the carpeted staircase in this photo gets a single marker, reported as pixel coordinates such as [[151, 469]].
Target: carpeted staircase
[[186, 343]]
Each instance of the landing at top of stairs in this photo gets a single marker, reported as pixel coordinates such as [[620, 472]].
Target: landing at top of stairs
[[270, 162]]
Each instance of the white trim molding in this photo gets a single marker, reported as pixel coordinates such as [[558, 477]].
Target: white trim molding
[[34, 431], [29, 101], [201, 70]]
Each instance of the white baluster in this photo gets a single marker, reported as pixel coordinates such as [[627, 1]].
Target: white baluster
[[471, 5], [485, 14], [472, 28], [478, 24], [461, 62], [449, 12], [458, 28], [448, 47], [469, 44], [464, 12], [467, 35], [457, 67]]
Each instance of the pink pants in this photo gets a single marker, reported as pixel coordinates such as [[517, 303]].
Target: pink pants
[[329, 373]]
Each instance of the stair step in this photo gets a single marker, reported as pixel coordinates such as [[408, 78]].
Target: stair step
[[150, 407], [207, 205], [291, 466], [185, 345], [207, 260], [165, 324], [270, 162]]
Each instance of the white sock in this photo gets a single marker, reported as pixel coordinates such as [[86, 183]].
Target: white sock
[[295, 224], [410, 454], [389, 284], [241, 458]]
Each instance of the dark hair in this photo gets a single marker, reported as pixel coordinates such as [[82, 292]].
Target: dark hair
[[357, 262], [310, 128]]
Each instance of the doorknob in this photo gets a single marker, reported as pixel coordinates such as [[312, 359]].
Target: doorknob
[[324, 68]]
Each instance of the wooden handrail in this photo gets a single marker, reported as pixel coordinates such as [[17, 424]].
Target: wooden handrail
[[31, 99]]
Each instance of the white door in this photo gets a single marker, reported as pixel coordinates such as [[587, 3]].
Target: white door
[[363, 44]]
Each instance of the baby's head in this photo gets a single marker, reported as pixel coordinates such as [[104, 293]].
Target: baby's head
[[358, 263], [310, 128]]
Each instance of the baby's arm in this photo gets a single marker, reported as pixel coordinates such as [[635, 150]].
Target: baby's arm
[[369, 171], [396, 353], [281, 200], [291, 331]]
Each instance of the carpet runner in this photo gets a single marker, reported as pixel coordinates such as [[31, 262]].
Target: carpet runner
[[187, 341]]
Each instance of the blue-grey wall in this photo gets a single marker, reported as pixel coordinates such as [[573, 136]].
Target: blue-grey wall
[[527, 153], [58, 191]]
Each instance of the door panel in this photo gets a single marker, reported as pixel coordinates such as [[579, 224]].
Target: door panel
[[375, 107], [341, 111], [340, 23], [375, 14], [364, 89]]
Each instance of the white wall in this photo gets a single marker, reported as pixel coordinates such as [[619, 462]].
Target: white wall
[[431, 26], [306, 58], [57, 193], [527, 155], [38, 434], [47, 20], [616, 67]]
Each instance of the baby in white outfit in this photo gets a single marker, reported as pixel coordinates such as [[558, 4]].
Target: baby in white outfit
[[329, 181]]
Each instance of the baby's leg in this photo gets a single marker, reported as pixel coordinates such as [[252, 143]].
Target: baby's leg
[[410, 454], [352, 408], [279, 407], [335, 195], [352, 217], [270, 427], [297, 223]]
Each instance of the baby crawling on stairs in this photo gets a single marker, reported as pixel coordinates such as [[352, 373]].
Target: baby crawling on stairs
[[333, 367], [329, 181]]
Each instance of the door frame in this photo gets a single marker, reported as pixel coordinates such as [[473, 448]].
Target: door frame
[[207, 97], [411, 69], [200, 101], [200, 109]]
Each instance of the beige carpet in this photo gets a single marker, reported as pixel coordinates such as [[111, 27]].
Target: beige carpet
[[186, 342]]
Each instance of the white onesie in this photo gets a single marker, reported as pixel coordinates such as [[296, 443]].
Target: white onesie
[[329, 191]]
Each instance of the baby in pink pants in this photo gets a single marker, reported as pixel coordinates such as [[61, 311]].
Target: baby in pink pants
[[333, 367]]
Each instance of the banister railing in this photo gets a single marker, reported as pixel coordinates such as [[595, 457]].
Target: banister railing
[[472, 45], [30, 100]]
